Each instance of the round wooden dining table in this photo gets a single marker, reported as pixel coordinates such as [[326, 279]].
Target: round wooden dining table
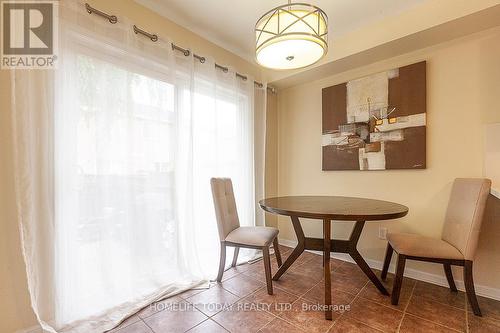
[[328, 209]]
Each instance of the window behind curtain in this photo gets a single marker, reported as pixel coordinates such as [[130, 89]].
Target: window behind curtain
[[121, 145], [116, 188]]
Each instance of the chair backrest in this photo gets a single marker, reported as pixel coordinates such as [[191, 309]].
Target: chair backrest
[[225, 206], [465, 214]]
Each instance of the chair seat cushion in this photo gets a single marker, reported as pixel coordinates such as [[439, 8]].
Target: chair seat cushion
[[420, 246], [254, 236]]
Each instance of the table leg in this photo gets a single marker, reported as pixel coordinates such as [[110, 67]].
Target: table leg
[[326, 268], [353, 252], [296, 252]]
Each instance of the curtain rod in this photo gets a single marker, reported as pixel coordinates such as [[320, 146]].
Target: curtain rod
[[154, 38]]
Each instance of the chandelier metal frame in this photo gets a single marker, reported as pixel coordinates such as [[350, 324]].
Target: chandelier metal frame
[[289, 8]]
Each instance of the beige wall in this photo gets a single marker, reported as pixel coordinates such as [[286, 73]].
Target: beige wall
[[463, 85], [14, 300], [15, 307], [271, 174]]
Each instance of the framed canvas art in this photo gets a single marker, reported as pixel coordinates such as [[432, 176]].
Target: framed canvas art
[[377, 122]]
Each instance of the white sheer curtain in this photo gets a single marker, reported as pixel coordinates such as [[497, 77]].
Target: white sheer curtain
[[114, 152]]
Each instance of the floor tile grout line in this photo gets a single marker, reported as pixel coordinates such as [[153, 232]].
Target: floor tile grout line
[[287, 291], [433, 322], [303, 263], [308, 290], [272, 315], [379, 303], [321, 282], [216, 323], [420, 317], [260, 329], [493, 319], [254, 292], [374, 328], [145, 323], [229, 291], [260, 283], [117, 330], [366, 324], [434, 300], [289, 322], [298, 298], [194, 308], [229, 278], [359, 292], [268, 312], [152, 330], [196, 325], [417, 316], [281, 318], [441, 303], [293, 292], [352, 301], [303, 299], [406, 307], [239, 298]]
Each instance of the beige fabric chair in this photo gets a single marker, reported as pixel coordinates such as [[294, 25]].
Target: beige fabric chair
[[458, 242], [231, 234]]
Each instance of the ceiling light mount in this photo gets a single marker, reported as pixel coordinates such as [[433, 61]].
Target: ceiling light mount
[[291, 36]]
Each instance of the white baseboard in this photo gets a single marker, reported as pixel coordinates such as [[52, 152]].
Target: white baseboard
[[416, 274]]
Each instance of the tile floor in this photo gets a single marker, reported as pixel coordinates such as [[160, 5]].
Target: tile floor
[[240, 304]]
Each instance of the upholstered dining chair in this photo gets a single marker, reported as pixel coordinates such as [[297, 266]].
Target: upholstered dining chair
[[231, 234], [458, 242]]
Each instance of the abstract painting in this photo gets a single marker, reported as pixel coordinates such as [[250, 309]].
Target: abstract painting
[[376, 122]]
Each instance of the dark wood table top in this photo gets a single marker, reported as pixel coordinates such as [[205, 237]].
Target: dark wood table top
[[334, 208]]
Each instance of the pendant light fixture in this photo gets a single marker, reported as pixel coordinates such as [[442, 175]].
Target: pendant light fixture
[[291, 36]]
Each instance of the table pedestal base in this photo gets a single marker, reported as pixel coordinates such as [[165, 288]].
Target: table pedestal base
[[327, 245]]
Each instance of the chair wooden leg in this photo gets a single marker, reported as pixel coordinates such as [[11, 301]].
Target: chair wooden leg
[[387, 261], [222, 262], [398, 280], [469, 288], [235, 256], [267, 268], [277, 253], [449, 277]]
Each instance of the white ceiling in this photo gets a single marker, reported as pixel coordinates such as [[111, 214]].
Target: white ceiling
[[230, 23]]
